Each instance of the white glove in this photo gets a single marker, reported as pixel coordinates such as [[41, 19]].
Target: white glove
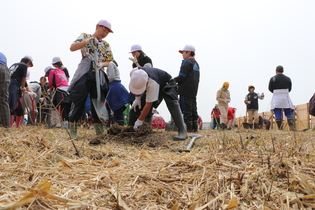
[[136, 102], [227, 100], [133, 59], [91, 40], [100, 65], [138, 123]]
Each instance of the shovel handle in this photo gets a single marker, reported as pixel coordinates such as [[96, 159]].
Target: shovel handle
[[97, 73], [191, 143]]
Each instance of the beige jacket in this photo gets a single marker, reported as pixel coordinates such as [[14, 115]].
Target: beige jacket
[[222, 95]]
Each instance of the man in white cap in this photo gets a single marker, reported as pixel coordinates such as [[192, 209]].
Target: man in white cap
[[188, 82], [158, 85], [17, 87], [83, 81]]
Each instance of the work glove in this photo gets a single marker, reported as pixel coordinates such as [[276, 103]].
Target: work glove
[[23, 89], [133, 59], [100, 65], [91, 40], [136, 102], [138, 123], [227, 100]]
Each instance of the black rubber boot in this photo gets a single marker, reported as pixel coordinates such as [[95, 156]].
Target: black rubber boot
[[132, 118], [189, 127], [178, 120], [195, 126], [223, 126], [279, 124], [291, 123]]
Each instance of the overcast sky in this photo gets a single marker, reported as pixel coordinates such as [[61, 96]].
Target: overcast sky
[[239, 41]]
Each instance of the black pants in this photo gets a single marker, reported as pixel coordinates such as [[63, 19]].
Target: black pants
[[168, 93], [189, 108], [77, 109], [216, 123]]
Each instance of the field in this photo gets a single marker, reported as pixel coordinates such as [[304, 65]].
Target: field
[[236, 169]]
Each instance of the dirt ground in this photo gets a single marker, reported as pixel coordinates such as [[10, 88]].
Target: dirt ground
[[236, 169]]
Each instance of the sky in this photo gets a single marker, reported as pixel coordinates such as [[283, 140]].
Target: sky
[[240, 42]]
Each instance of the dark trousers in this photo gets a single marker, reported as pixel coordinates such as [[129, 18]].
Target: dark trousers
[[77, 109], [188, 106], [216, 123]]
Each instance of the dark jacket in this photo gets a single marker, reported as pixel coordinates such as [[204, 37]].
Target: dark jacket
[[188, 78], [280, 81]]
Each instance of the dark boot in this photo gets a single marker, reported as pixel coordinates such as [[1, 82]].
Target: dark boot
[[223, 126], [291, 123], [246, 125], [132, 118], [189, 127], [195, 126], [279, 124], [178, 120], [255, 126]]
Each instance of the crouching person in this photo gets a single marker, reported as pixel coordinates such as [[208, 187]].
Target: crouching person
[[158, 85]]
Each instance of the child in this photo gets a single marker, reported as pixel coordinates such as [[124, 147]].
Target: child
[[251, 101], [158, 85], [83, 81], [188, 82], [17, 87], [118, 95]]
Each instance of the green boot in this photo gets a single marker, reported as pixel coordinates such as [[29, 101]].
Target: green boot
[[291, 122], [73, 130], [176, 114], [99, 129]]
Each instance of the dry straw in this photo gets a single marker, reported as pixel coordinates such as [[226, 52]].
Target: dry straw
[[224, 170]]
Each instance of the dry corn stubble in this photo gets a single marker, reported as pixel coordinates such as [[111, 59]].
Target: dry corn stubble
[[253, 169]]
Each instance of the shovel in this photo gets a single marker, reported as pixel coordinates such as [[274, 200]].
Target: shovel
[[191, 143], [98, 104]]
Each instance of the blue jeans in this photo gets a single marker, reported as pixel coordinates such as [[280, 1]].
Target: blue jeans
[[288, 113]]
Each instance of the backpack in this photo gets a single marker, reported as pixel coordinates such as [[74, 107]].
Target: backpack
[[312, 106]]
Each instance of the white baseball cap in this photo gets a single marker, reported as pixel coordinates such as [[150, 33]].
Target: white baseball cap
[[135, 47], [47, 69], [138, 82], [55, 60], [107, 24], [30, 58], [187, 48]]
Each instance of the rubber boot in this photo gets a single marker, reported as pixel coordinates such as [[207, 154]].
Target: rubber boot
[[18, 121], [73, 130], [255, 126], [11, 120], [223, 126], [178, 120], [279, 124], [189, 127], [99, 129], [195, 126], [132, 118], [291, 123]]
